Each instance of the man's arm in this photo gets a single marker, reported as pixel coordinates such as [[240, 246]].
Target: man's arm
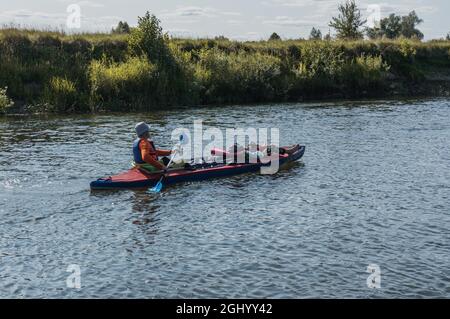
[[163, 152]]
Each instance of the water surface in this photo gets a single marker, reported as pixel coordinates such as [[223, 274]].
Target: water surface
[[373, 187]]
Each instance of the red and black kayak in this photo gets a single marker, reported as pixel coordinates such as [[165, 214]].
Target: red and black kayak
[[138, 178]]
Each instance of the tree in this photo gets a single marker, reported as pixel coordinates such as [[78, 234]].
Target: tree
[[315, 34], [274, 37], [122, 28], [447, 37], [395, 26], [221, 38], [148, 39], [374, 33], [389, 27], [409, 24], [348, 23]]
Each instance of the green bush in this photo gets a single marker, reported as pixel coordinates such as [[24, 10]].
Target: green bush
[[5, 101], [407, 49], [175, 83], [320, 60], [239, 77], [60, 95], [318, 69], [114, 85], [364, 73], [148, 39]]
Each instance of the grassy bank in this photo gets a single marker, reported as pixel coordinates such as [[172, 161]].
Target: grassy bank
[[53, 72]]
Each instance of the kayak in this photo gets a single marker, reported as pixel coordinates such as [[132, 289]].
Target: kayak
[[138, 178]]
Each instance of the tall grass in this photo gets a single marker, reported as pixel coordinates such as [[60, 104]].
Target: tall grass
[[122, 86], [365, 72], [60, 95], [239, 77], [55, 72]]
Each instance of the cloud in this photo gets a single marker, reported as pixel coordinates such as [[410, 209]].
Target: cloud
[[194, 11], [39, 19], [235, 22], [302, 3], [84, 3], [178, 32], [28, 14], [289, 22], [90, 4], [58, 19], [231, 13], [404, 8], [107, 19]]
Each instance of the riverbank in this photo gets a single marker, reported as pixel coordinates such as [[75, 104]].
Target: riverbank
[[58, 73]]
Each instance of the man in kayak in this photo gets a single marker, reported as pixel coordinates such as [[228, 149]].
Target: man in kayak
[[145, 153]]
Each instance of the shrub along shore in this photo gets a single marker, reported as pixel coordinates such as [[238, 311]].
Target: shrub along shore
[[144, 70]]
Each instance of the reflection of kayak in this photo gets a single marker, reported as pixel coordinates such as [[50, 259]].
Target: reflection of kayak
[[136, 178]]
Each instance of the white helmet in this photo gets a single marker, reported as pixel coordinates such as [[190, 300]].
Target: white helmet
[[141, 128]]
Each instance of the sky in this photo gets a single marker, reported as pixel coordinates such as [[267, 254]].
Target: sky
[[235, 19]]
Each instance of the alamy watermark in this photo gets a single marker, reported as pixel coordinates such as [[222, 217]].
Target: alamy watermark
[[374, 279], [374, 15], [73, 281], [235, 145], [73, 20]]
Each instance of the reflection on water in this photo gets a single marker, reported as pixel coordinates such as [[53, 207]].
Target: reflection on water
[[146, 206], [373, 188]]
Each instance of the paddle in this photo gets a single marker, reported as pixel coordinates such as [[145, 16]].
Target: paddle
[[159, 186]]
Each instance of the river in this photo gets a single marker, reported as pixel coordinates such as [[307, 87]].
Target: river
[[372, 189]]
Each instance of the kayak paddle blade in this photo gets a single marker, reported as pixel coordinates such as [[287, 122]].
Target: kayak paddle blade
[[158, 187]]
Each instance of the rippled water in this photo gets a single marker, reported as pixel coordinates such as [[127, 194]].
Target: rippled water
[[373, 187]]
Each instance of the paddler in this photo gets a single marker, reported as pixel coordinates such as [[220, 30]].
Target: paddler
[[145, 154]]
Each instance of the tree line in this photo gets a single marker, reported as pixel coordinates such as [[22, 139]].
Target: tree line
[[348, 25]]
